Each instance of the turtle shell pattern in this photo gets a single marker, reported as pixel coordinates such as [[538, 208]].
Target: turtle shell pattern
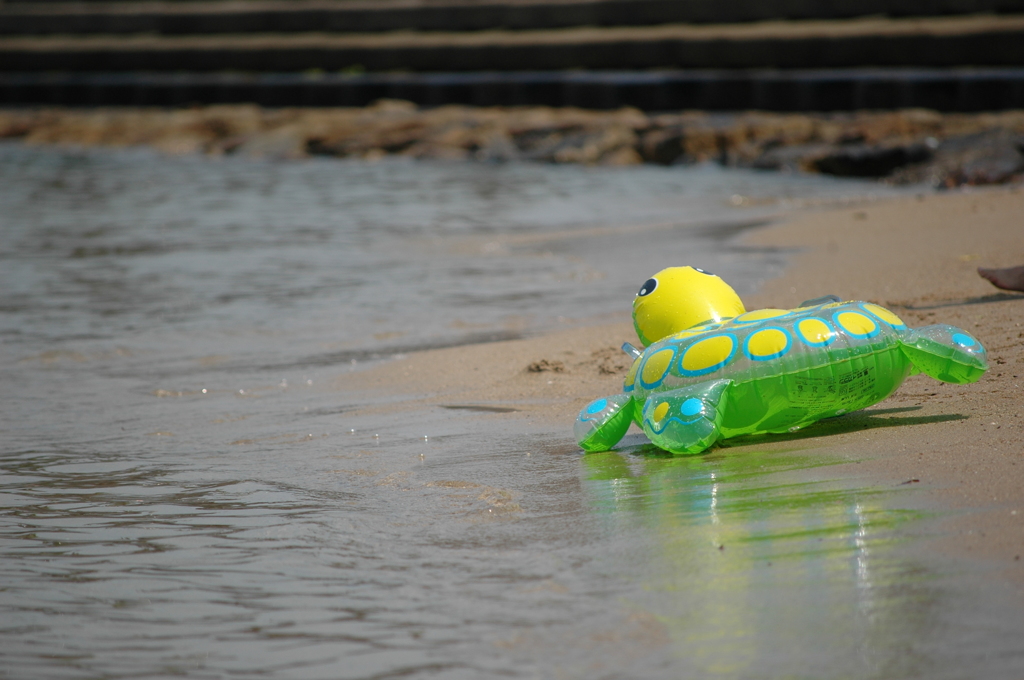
[[786, 367]]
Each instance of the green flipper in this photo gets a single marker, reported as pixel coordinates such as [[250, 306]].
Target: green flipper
[[946, 353], [686, 420], [604, 422]]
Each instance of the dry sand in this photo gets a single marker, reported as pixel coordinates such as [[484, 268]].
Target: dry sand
[[959, 448]]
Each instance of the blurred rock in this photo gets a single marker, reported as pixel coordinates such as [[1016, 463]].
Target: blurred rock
[[280, 143], [593, 146], [899, 146], [624, 155], [795, 158], [663, 146], [872, 160], [496, 148], [988, 157], [991, 157]]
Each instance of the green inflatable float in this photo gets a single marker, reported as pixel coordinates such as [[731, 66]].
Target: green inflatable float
[[711, 370]]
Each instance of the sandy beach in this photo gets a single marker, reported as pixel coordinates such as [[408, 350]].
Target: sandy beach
[[957, 448]]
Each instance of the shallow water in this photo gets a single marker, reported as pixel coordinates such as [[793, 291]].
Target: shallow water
[[183, 495]]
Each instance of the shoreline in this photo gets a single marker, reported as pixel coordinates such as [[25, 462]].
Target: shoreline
[[210, 424], [955, 447], [906, 146]]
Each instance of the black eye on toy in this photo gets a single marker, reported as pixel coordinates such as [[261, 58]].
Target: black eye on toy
[[648, 287], [702, 271]]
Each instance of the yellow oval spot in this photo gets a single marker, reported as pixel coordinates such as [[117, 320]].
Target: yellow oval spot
[[705, 355], [814, 331], [884, 314], [771, 342], [631, 374], [660, 411], [656, 366], [760, 315], [856, 323]]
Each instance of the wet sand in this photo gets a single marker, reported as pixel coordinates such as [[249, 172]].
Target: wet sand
[[955, 448]]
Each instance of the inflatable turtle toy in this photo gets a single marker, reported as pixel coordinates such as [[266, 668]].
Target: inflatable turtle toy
[[712, 370]]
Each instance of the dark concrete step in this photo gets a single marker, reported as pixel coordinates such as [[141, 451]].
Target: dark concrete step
[[814, 90], [178, 18], [979, 40]]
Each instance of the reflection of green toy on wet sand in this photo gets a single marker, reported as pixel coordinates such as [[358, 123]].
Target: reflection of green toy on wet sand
[[712, 370]]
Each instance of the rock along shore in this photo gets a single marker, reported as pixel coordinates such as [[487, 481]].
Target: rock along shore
[[903, 146]]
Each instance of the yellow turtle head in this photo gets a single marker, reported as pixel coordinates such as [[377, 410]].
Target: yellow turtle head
[[678, 298]]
